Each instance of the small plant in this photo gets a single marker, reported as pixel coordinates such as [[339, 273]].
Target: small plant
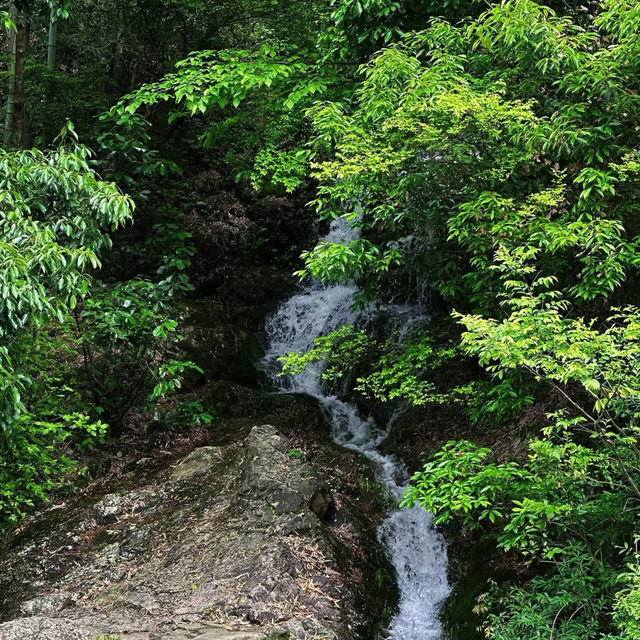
[[296, 454], [381, 577], [185, 415]]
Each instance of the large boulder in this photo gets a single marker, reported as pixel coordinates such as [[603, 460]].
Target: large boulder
[[236, 542]]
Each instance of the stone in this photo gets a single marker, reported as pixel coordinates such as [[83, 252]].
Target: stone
[[232, 535], [286, 484], [109, 555], [260, 615], [42, 628], [321, 502], [108, 509], [224, 634], [50, 603], [198, 463]]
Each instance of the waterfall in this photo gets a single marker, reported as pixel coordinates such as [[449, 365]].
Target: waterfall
[[416, 549]]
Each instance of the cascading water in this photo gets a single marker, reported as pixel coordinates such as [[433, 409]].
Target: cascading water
[[416, 549]]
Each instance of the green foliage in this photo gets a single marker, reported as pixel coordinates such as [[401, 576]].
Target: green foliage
[[342, 350], [361, 26], [566, 605], [496, 159], [576, 493], [277, 79], [127, 333], [54, 212], [33, 462], [185, 415], [458, 483], [126, 157], [626, 607], [538, 337], [484, 136], [402, 369], [492, 156], [54, 217]]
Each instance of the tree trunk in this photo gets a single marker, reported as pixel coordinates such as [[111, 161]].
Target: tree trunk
[[8, 122], [52, 50], [16, 102], [53, 39]]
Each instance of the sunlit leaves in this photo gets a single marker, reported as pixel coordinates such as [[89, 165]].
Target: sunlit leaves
[[538, 337], [53, 214], [240, 88]]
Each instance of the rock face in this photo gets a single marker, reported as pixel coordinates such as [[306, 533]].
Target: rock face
[[235, 542]]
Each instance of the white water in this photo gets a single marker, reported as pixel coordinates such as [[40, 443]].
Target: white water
[[416, 549]]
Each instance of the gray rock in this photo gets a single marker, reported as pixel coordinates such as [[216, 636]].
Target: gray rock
[[285, 484], [41, 628], [260, 615], [233, 536], [109, 555], [43, 605], [45, 628], [224, 634], [198, 463], [108, 509]]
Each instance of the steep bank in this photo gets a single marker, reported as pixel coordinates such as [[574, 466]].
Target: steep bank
[[183, 529]]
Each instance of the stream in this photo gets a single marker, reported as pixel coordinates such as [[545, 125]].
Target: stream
[[416, 549]]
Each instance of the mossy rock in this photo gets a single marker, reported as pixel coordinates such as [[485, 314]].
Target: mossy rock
[[472, 572]]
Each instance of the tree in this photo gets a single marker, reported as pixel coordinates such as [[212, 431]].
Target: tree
[[497, 161], [54, 214], [52, 44], [16, 100]]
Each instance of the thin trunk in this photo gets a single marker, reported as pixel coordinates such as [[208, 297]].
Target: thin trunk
[[8, 123], [53, 39], [117, 66], [52, 50], [14, 126]]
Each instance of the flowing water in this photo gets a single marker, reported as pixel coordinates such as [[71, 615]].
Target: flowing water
[[416, 549]]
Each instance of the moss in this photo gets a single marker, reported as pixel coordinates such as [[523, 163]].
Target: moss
[[473, 567]]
